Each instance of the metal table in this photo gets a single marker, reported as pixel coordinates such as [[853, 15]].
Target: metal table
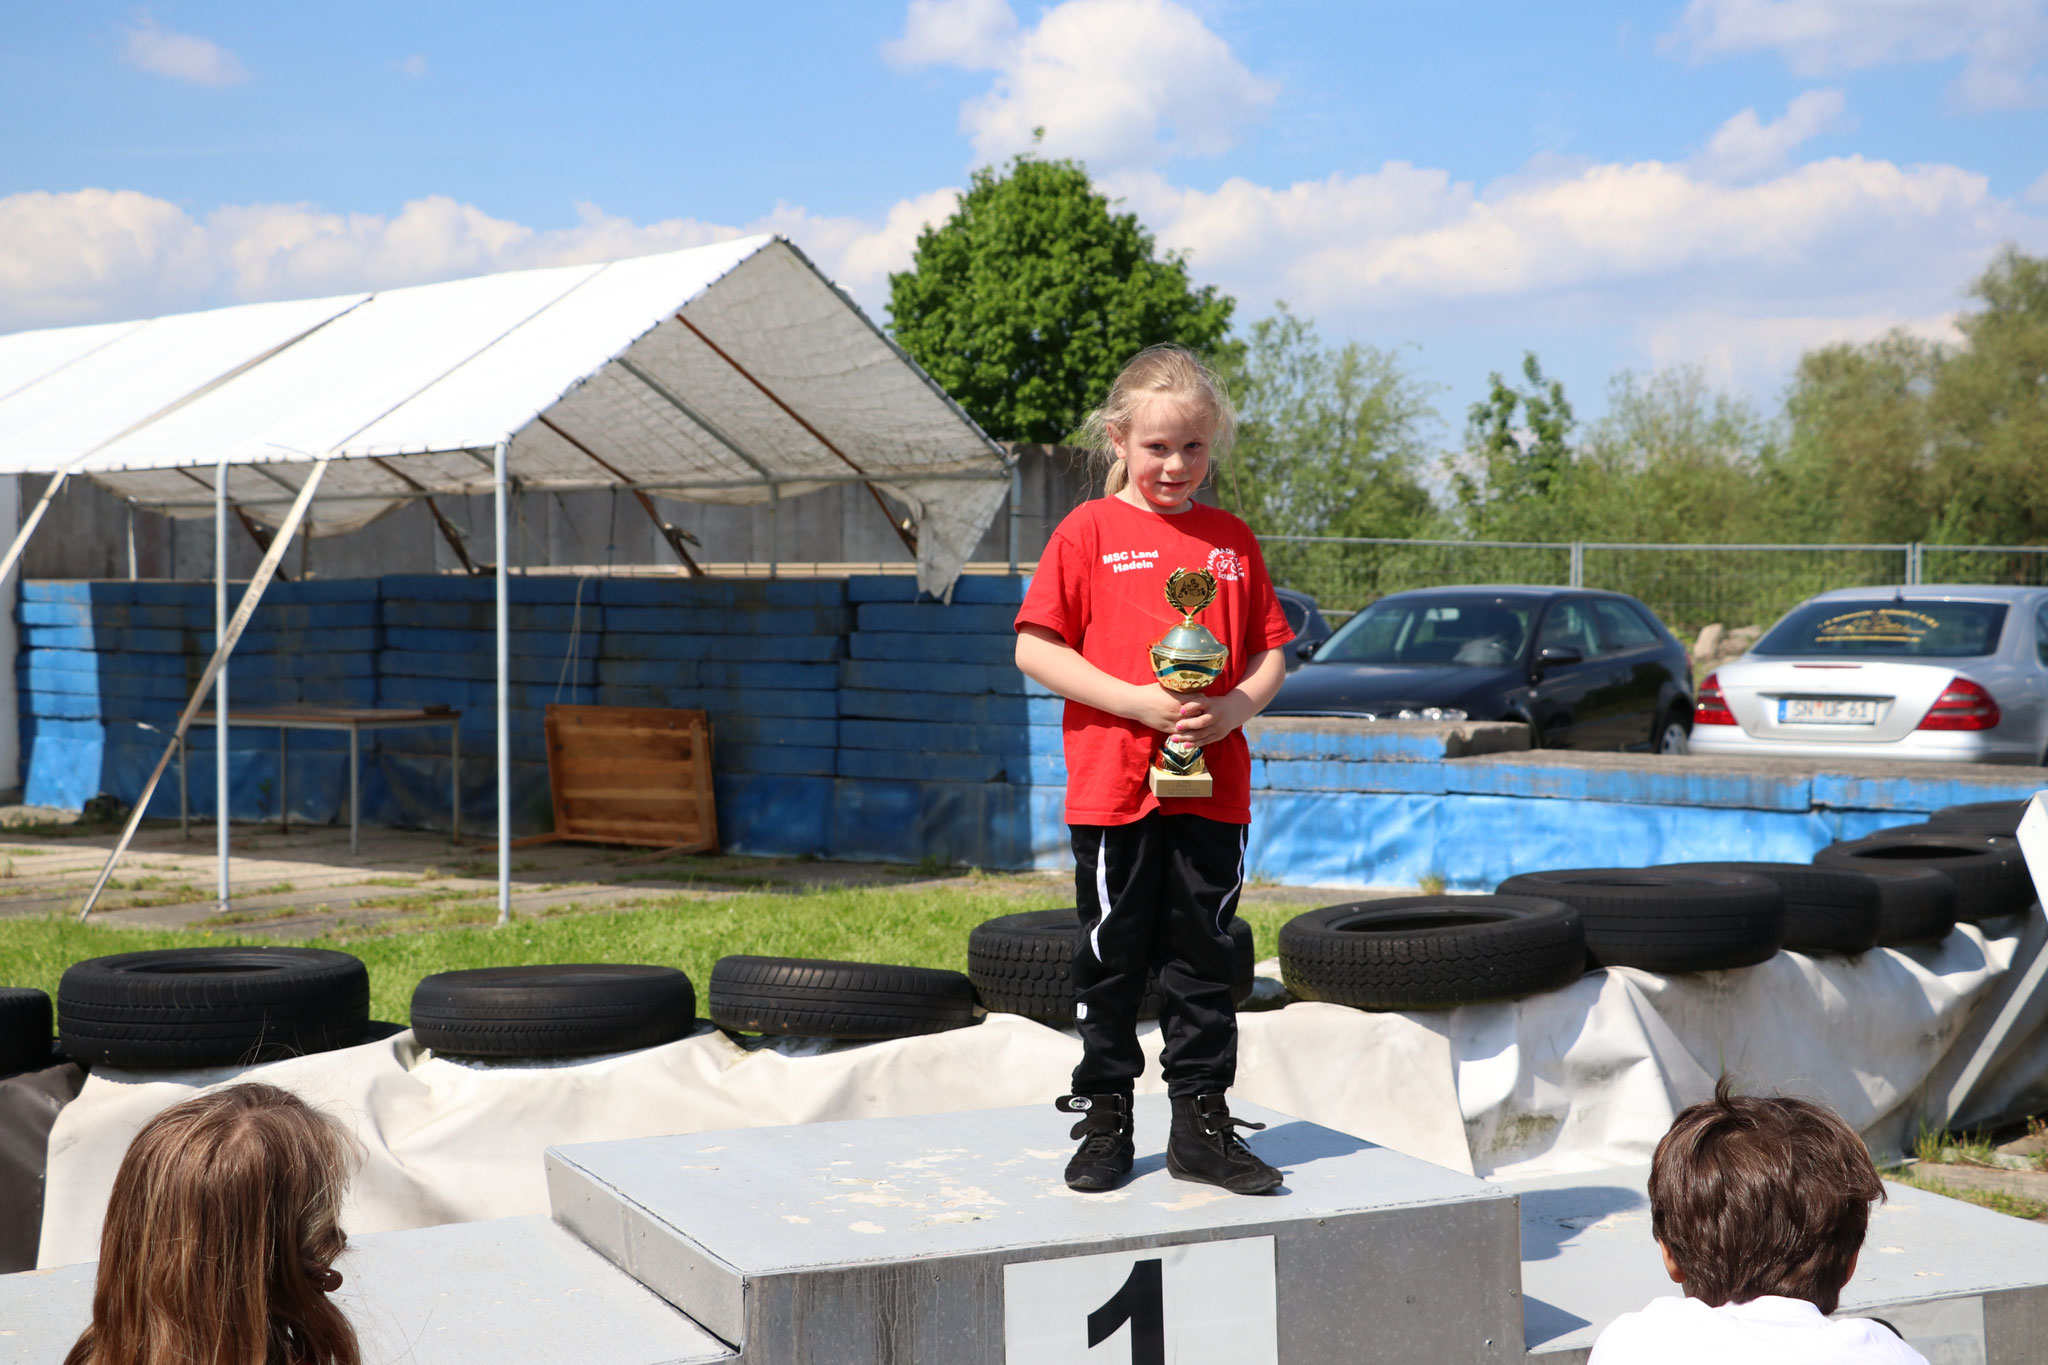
[[352, 719]]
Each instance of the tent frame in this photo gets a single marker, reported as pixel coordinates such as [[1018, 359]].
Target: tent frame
[[280, 493]]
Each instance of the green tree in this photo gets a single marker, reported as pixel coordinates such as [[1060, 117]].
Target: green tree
[[1674, 462], [1989, 408], [1028, 300], [1330, 438], [1862, 434], [1905, 439], [1518, 459]]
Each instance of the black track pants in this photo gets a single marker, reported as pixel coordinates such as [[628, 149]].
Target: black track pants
[[1159, 892]]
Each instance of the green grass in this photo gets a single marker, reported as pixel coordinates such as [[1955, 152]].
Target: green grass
[[925, 927], [1954, 1149], [1998, 1201]]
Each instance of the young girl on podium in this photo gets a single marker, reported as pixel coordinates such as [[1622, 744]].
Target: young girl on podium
[[1159, 847]]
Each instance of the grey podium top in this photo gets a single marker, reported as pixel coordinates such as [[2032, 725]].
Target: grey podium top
[[513, 1291], [1588, 1257], [770, 1200]]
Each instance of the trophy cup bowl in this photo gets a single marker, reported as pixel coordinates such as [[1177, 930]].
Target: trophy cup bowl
[[1188, 658]]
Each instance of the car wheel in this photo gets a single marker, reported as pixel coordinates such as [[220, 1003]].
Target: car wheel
[[1674, 736]]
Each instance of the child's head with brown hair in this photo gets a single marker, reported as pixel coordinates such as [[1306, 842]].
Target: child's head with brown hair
[[220, 1238], [1752, 1196], [1164, 373]]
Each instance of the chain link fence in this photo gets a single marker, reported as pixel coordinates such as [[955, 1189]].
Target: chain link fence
[[1688, 586]]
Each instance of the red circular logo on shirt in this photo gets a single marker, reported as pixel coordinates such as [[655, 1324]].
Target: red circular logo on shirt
[[1226, 565]]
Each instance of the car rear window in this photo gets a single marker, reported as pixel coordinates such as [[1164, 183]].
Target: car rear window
[[1906, 629], [1469, 632]]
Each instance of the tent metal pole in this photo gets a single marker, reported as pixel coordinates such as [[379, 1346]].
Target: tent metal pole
[[28, 527], [499, 455], [131, 540], [220, 696], [1016, 509], [774, 527], [222, 648]]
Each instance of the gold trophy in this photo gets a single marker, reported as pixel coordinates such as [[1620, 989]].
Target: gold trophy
[[1186, 659]]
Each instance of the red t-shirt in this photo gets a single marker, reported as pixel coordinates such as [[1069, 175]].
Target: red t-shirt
[[1101, 586]]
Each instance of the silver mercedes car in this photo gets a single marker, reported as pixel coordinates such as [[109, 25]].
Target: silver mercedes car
[[1952, 674]]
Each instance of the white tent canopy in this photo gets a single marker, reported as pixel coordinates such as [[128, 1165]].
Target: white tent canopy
[[733, 373]]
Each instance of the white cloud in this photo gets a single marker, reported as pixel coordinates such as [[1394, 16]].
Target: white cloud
[[2001, 42], [1745, 146], [978, 35], [95, 255], [414, 66], [1662, 262], [1402, 235], [1648, 251], [181, 56], [1116, 83], [1739, 350]]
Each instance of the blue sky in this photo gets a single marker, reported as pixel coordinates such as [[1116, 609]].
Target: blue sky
[[1711, 182]]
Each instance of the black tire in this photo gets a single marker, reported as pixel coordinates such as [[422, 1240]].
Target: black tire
[[2001, 818], [1024, 964], [1827, 909], [191, 1007], [855, 1000], [24, 1029], [570, 1010], [1432, 952], [1664, 920], [1916, 904], [1853, 909], [1989, 873]]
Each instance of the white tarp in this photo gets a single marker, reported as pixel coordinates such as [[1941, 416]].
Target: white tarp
[[1573, 1080], [732, 373]]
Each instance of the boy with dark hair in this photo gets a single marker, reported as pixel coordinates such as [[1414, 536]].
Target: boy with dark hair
[[1759, 1207]]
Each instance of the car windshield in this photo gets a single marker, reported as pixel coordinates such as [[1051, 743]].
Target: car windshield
[[1906, 629], [1468, 632]]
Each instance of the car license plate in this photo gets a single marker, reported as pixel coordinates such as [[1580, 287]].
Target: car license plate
[[1826, 711]]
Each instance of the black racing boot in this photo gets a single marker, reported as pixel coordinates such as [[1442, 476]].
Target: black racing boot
[[1204, 1147], [1105, 1132]]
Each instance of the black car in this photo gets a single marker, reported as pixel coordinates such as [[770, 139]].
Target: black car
[[1306, 620], [1586, 670]]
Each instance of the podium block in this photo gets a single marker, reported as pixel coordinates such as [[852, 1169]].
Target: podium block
[[950, 1239], [512, 1291], [1961, 1284]]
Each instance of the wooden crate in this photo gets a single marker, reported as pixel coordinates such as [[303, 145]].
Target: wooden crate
[[631, 775]]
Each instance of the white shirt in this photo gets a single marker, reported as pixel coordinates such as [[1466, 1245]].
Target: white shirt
[[1765, 1331]]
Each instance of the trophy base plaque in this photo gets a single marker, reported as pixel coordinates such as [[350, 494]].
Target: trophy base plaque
[[1166, 784]]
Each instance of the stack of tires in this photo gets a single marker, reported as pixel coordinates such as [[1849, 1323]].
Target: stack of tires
[[1540, 930]]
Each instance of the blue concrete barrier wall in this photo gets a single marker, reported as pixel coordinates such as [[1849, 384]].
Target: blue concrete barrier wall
[[853, 720], [1338, 804], [104, 668]]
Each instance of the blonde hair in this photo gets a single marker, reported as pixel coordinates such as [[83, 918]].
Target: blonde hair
[[223, 1217], [1164, 371]]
